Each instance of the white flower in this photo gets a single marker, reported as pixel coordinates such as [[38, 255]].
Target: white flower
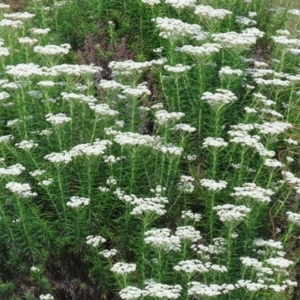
[[13, 170], [21, 189], [210, 12], [162, 239], [76, 201], [187, 214], [40, 31], [231, 213], [51, 49], [46, 182], [46, 297], [35, 269], [57, 158], [26, 145], [228, 71], [188, 233], [214, 142], [279, 262], [57, 119], [179, 4], [183, 127], [251, 190], [11, 23], [108, 253], [212, 185], [162, 116], [123, 268], [131, 292], [175, 29], [199, 51], [95, 240], [23, 16], [293, 218], [179, 68], [164, 291], [273, 163], [198, 289], [27, 40], [220, 98]]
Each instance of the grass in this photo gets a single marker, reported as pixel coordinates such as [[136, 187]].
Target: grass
[[167, 174]]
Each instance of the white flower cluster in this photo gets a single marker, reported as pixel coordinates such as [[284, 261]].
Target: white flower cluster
[[95, 240], [162, 239], [186, 184], [198, 289], [291, 179], [4, 95], [11, 23], [273, 163], [279, 262], [57, 119], [108, 253], [179, 4], [218, 99], [229, 71], [145, 205], [283, 40], [26, 145], [162, 291], [121, 268], [111, 159], [151, 3], [242, 20], [46, 297], [34, 269], [183, 127], [195, 265], [175, 29], [218, 247], [252, 191], [6, 138], [21, 189], [13, 170], [24, 70], [163, 117], [46, 182], [52, 49], [188, 214], [212, 185], [272, 127], [57, 157], [40, 31], [199, 51], [241, 40], [214, 142], [179, 68], [76, 201], [79, 97], [27, 40], [206, 11], [23, 16], [188, 233], [293, 218], [75, 70], [231, 213], [96, 148], [139, 91], [128, 67], [4, 51], [243, 138], [103, 109], [132, 138], [131, 292]]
